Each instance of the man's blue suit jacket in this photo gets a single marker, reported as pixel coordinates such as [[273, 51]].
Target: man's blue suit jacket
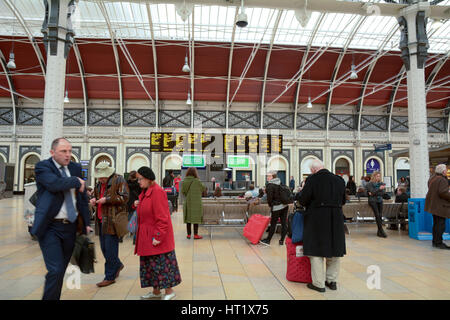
[[50, 187]]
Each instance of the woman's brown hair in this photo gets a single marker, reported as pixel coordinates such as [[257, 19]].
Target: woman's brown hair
[[192, 171], [132, 175]]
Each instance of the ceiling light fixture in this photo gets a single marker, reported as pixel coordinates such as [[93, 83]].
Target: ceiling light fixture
[[309, 104], [353, 75], [186, 65], [242, 19], [303, 15], [66, 97], [11, 63], [189, 101]]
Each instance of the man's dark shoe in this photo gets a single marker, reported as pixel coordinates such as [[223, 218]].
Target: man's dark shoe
[[313, 287], [331, 285], [441, 246], [381, 234], [118, 271], [266, 241]]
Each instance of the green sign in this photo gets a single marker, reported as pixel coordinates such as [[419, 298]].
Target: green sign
[[194, 160], [238, 162]]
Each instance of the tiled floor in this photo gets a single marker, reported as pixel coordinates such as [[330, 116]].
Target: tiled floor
[[229, 267]]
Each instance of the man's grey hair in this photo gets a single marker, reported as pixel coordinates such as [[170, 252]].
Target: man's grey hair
[[273, 173], [316, 165], [441, 169]]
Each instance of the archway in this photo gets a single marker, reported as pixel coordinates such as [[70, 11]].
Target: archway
[[28, 168], [172, 162], [305, 170], [342, 168], [401, 169], [373, 164], [281, 165], [136, 161]]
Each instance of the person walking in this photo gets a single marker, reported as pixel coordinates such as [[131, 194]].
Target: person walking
[[111, 198], [278, 210], [292, 183], [437, 202], [192, 189], [135, 191], [351, 186], [155, 243], [168, 180], [323, 235], [375, 191], [61, 205]]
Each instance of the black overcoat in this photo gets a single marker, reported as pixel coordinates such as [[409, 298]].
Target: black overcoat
[[323, 196]]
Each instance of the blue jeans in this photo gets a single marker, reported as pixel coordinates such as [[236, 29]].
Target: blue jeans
[[110, 249]]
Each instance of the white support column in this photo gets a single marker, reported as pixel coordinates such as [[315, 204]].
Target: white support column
[[52, 126], [417, 114]]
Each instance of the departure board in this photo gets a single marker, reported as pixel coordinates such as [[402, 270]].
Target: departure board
[[215, 143]]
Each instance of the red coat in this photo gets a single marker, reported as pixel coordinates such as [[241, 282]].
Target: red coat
[[176, 182], [154, 222]]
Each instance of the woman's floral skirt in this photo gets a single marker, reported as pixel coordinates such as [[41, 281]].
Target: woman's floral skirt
[[160, 271]]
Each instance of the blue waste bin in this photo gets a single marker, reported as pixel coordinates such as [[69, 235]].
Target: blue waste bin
[[421, 222]]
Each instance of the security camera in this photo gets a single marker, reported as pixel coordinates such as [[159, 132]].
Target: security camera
[[242, 20]]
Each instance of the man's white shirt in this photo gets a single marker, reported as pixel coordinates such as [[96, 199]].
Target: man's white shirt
[[62, 214]]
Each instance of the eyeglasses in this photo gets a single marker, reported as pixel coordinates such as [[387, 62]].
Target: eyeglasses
[[140, 179]]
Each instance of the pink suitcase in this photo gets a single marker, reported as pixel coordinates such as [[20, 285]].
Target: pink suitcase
[[298, 266], [255, 227]]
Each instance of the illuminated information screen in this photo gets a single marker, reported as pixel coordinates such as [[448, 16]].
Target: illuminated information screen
[[215, 143]]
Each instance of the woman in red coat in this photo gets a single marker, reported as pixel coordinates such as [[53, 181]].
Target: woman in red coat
[[155, 242]]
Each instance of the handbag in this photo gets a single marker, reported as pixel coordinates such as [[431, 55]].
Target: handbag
[[132, 224], [120, 221], [295, 226], [84, 254], [33, 198]]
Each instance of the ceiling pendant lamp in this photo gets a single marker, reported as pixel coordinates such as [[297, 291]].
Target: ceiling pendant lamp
[[309, 104], [11, 63], [66, 97], [186, 65], [189, 101], [353, 75]]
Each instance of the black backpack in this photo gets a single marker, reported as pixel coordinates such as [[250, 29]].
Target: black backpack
[[286, 195]]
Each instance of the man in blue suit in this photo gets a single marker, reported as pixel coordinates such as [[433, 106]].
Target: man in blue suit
[[61, 206]]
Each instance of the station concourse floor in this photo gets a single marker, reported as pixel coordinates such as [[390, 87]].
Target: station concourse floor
[[228, 267]]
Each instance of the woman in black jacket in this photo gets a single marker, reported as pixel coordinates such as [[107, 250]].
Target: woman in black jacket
[[375, 191], [135, 191], [351, 185]]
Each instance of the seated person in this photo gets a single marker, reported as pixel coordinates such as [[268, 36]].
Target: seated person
[[347, 195], [400, 197], [362, 192], [261, 192], [217, 192], [248, 195], [254, 191]]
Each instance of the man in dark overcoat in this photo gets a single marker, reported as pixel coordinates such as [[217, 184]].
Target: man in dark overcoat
[[323, 237], [437, 202]]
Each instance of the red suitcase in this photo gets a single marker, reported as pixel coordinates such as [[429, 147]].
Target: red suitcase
[[298, 266], [255, 227]]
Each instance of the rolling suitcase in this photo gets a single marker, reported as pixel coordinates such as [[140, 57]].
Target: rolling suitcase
[[255, 227], [298, 265]]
